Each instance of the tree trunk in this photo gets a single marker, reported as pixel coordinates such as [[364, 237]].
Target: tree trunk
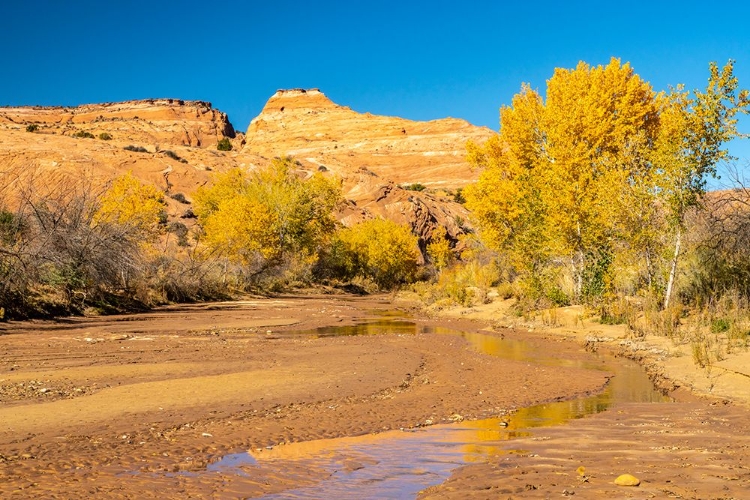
[[673, 270], [579, 268]]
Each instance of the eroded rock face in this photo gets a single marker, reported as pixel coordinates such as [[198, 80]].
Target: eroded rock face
[[373, 155], [309, 126], [370, 196], [149, 121]]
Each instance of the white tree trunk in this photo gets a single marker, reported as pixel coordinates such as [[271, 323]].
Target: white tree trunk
[[673, 270]]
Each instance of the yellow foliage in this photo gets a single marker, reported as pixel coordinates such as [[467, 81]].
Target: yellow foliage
[[240, 227], [130, 202], [260, 216], [439, 249], [551, 179], [380, 249]]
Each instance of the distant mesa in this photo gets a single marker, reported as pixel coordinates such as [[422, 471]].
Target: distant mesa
[[153, 121]]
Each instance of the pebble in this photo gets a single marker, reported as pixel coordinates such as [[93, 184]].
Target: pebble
[[627, 480]]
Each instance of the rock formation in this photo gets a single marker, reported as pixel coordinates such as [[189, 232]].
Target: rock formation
[[309, 126], [149, 121], [374, 156], [172, 144]]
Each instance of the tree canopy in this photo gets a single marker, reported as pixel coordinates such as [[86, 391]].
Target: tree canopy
[[255, 218], [586, 171]]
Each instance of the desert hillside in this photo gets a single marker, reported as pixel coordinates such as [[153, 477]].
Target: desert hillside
[[171, 144], [309, 126], [150, 121]]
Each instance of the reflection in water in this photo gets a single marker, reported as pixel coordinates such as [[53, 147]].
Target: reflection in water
[[385, 326], [399, 464]]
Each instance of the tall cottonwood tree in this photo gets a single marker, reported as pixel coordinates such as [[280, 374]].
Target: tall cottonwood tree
[[592, 169], [694, 129], [257, 219], [551, 178]]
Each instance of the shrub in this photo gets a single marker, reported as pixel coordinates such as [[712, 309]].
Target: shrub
[[33, 127], [82, 134], [224, 145], [174, 156], [378, 249], [180, 197], [104, 136], [181, 231], [720, 325], [130, 202], [136, 149], [415, 187]]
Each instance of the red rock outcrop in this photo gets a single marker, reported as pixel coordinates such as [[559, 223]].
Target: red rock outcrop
[[309, 126], [148, 121], [176, 141], [373, 155]]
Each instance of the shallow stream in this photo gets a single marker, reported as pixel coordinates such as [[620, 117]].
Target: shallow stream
[[399, 464]]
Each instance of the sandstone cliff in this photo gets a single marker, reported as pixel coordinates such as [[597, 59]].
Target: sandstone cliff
[[150, 121], [373, 155], [176, 151], [309, 126]]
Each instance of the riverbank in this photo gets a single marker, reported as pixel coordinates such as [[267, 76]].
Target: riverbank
[[669, 361], [695, 447]]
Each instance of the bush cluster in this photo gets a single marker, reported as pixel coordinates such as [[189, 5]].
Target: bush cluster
[[174, 156], [224, 145]]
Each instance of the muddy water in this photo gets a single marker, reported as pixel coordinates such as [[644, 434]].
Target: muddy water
[[399, 464]]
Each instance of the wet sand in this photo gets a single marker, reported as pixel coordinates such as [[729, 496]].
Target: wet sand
[[691, 449], [139, 406]]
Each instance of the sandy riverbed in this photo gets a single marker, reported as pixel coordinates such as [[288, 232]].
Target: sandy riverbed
[[138, 406]]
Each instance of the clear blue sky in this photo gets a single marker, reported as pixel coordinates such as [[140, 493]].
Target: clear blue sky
[[420, 60]]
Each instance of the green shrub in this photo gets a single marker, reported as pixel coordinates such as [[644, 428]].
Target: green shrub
[[180, 197], [458, 196], [415, 187], [720, 325], [32, 127], [224, 145], [136, 149], [104, 136], [181, 231], [174, 156], [82, 134]]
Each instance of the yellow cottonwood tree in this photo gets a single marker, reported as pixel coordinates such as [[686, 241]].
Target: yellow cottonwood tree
[[257, 218], [379, 249], [694, 129], [130, 202], [439, 249], [551, 178]]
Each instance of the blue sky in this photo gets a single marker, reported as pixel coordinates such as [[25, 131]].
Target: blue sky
[[419, 60]]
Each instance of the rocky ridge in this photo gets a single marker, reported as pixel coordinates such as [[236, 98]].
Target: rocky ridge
[[375, 156], [309, 126], [150, 121], [171, 144]]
